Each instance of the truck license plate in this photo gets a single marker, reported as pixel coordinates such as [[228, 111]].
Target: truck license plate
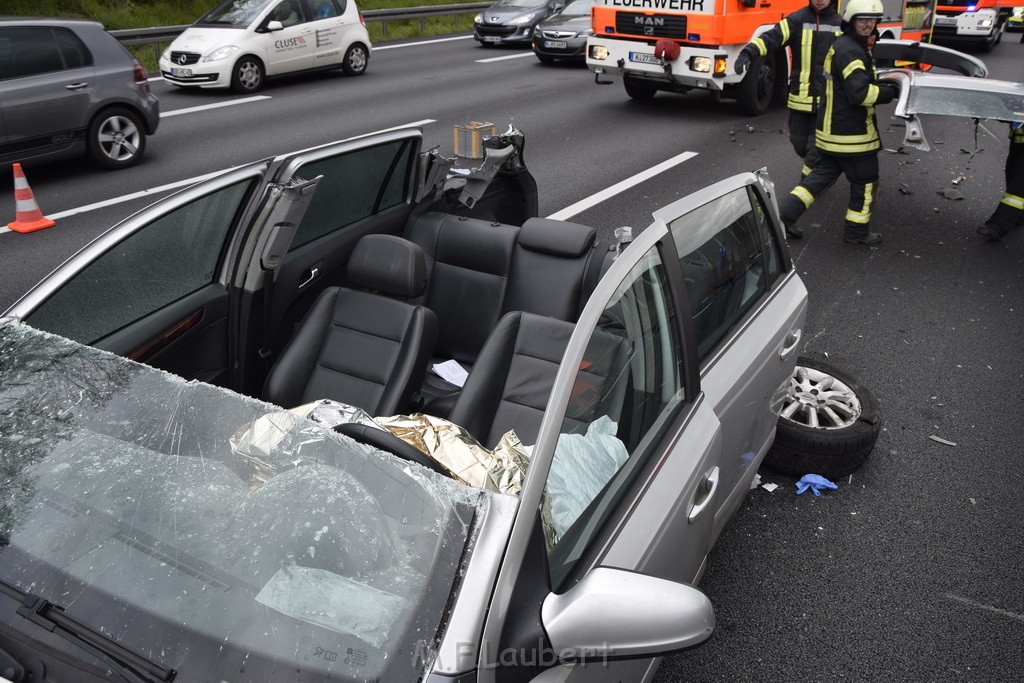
[[643, 58], [945, 21]]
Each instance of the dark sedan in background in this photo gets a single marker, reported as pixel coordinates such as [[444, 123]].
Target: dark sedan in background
[[564, 35]]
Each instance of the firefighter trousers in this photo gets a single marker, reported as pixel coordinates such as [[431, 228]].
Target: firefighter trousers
[[802, 126], [862, 172], [1010, 210]]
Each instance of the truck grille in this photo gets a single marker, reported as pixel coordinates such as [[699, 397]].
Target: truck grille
[[650, 25]]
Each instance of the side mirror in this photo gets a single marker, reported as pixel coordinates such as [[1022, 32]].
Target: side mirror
[[617, 614], [274, 26]]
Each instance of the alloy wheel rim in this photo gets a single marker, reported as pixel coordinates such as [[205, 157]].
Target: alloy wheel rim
[[119, 138], [818, 400]]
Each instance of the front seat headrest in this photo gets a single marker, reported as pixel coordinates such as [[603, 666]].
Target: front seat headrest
[[390, 265]]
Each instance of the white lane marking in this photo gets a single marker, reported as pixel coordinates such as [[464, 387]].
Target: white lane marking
[[622, 186], [983, 606], [422, 42], [501, 59], [191, 181], [215, 105]]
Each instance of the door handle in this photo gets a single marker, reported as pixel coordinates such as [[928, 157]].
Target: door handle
[[312, 274], [706, 494], [77, 86], [792, 341]]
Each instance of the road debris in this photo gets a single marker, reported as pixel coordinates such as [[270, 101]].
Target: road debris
[[815, 482], [939, 439], [951, 193]]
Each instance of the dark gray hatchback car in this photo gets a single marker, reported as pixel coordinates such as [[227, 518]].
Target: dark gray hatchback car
[[67, 87]]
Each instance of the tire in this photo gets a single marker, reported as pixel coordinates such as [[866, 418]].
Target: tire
[[117, 138], [357, 58], [248, 75], [754, 93], [847, 416], [637, 91]]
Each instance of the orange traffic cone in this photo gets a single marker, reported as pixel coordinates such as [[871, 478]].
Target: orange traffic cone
[[28, 217]]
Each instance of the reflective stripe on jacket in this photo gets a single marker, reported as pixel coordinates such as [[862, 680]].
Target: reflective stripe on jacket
[[809, 35], [846, 119]]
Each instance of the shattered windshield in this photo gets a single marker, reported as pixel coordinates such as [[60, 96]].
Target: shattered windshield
[[212, 532]]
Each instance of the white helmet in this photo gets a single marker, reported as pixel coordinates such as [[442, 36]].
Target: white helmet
[[867, 9]]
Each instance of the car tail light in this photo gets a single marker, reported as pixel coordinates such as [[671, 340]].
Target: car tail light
[[362, 20], [141, 77]]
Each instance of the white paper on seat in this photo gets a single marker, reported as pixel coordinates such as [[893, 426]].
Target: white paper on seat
[[451, 372]]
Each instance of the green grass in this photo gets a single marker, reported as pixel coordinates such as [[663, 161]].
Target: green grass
[[126, 14]]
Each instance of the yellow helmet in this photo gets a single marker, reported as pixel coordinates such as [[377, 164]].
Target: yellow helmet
[[868, 9]]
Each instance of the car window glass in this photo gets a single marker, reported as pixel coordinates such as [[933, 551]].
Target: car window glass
[[288, 12], [74, 51], [578, 8], [770, 240], [723, 266], [354, 186], [525, 4], [325, 9], [626, 390], [171, 257], [28, 51]]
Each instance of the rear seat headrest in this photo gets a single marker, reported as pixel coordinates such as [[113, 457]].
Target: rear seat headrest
[[557, 238], [390, 265]]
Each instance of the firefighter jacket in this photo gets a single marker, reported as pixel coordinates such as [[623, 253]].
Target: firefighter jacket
[[846, 118], [809, 34]]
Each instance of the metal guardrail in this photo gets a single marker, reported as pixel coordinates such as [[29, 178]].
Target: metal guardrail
[[165, 34]]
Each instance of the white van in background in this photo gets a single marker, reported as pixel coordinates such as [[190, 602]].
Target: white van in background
[[241, 43]]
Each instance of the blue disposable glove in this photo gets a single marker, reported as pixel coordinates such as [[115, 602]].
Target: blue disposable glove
[[814, 482]]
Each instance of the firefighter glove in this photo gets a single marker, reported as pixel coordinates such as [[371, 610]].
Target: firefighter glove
[[742, 62], [887, 92]]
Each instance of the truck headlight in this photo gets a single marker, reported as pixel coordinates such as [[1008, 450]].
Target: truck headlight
[[221, 53], [599, 52], [985, 23], [701, 64]]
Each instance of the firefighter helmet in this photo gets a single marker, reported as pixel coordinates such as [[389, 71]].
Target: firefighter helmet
[[867, 9]]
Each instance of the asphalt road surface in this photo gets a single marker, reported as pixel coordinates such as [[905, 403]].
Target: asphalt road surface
[[911, 570]]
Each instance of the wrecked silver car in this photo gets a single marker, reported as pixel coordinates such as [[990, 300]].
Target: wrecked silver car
[[164, 518]]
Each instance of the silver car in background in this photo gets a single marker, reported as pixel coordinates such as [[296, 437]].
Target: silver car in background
[[67, 88]]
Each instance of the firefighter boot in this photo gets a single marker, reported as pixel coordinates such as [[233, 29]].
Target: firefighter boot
[[869, 238], [991, 232], [793, 232]]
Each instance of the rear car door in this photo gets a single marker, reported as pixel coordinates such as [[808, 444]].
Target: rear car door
[[749, 308], [46, 85], [330, 29], [181, 285]]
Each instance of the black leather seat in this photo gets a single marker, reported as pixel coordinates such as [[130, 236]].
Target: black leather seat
[[511, 382], [365, 348]]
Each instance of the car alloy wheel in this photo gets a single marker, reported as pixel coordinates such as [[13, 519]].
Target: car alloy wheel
[[828, 424], [116, 138], [248, 75], [356, 60]]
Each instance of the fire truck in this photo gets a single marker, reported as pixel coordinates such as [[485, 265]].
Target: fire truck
[[682, 45], [977, 22]]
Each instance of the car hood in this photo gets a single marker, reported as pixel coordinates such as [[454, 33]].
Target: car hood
[[213, 532], [203, 40], [561, 22]]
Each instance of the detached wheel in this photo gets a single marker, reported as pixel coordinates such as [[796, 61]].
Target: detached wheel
[[828, 425], [636, 90], [248, 75], [117, 138], [754, 93], [357, 58]]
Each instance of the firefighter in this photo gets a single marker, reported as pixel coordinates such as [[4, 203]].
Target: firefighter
[[809, 33], [1010, 211], [847, 132]]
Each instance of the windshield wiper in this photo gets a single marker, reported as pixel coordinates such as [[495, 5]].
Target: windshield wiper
[[131, 665]]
